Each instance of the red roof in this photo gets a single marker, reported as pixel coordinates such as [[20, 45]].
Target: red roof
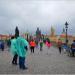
[[64, 35], [7, 36]]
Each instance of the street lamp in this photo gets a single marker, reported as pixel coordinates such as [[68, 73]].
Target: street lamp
[[27, 36], [66, 27]]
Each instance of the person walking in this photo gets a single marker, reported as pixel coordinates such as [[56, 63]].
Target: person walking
[[32, 45], [48, 44], [41, 45], [73, 48], [14, 50], [22, 51], [59, 45], [2, 45]]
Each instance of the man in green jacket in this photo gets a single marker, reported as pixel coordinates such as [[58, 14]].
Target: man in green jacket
[[22, 51], [41, 45]]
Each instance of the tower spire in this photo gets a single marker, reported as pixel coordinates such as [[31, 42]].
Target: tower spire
[[63, 31], [52, 31]]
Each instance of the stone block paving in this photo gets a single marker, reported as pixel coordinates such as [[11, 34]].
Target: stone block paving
[[49, 61]]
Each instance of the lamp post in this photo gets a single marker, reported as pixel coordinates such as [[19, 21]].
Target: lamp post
[[66, 27], [27, 36]]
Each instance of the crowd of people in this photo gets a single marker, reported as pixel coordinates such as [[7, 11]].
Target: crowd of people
[[70, 50], [19, 47]]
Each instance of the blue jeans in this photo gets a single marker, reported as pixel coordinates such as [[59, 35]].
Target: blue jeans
[[21, 62]]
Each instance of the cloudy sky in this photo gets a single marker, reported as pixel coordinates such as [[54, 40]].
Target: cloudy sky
[[30, 14]]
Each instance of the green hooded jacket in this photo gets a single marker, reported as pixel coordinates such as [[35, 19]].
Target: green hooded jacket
[[21, 44], [13, 48]]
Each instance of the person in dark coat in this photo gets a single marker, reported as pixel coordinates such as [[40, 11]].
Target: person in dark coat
[[2, 46], [73, 47], [59, 45]]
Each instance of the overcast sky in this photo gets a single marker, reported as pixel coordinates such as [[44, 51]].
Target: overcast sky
[[30, 14]]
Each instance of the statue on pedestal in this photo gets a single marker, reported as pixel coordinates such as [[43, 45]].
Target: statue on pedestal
[[38, 35]]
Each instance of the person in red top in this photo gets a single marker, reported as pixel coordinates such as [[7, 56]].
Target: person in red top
[[59, 45], [32, 45]]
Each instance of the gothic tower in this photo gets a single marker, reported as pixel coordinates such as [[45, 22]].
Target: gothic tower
[[52, 31]]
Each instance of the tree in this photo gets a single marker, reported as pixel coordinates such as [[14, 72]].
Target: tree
[[16, 32]]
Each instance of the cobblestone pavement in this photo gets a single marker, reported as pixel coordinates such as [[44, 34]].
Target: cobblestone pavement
[[49, 61]]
